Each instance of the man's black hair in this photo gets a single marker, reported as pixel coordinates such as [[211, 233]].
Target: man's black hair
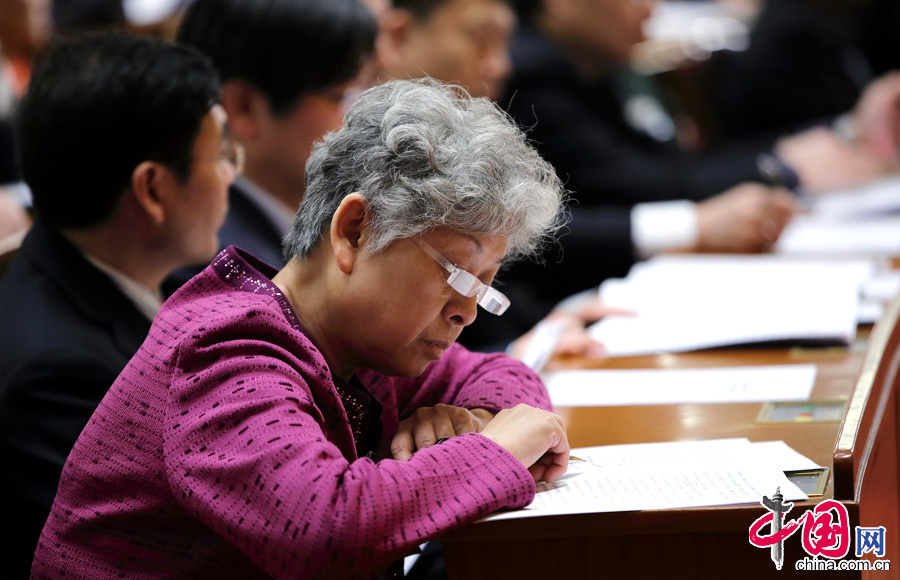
[[283, 48], [527, 10], [420, 8], [99, 105]]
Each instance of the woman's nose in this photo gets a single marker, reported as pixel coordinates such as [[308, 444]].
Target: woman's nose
[[461, 310]]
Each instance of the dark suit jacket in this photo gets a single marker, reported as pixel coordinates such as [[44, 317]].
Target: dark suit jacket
[[806, 60], [9, 172], [580, 126], [245, 227], [67, 333], [249, 229]]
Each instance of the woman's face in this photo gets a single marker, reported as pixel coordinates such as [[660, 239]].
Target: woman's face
[[404, 314]]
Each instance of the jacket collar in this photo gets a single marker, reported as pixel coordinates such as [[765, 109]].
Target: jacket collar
[[91, 291]]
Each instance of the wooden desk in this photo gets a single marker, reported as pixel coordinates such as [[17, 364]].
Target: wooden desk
[[707, 542]]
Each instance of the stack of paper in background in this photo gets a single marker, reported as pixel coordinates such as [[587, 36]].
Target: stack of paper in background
[[684, 303], [864, 221]]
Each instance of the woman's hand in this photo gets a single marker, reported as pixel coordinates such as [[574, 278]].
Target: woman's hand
[[535, 437], [429, 424]]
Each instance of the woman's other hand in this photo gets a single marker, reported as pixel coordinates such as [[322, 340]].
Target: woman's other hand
[[429, 424], [535, 437]]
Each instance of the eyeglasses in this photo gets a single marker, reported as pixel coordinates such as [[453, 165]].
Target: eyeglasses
[[467, 284], [232, 152]]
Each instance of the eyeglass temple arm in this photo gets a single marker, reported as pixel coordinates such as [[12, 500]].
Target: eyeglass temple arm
[[434, 254]]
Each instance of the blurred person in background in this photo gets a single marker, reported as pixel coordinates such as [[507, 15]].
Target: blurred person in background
[[25, 28], [634, 191], [465, 42], [287, 67], [807, 62], [128, 159]]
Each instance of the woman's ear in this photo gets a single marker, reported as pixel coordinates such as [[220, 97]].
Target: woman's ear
[[349, 230], [149, 190]]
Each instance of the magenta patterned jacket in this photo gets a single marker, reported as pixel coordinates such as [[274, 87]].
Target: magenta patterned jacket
[[224, 451]]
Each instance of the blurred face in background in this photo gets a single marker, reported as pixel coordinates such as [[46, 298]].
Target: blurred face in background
[[289, 138], [203, 197], [278, 144], [25, 26], [465, 42], [599, 32]]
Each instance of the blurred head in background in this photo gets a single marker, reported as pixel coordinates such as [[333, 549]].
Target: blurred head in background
[[465, 42], [286, 67]]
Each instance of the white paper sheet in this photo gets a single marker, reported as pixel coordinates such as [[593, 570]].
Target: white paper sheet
[[809, 235], [693, 302], [781, 455], [869, 312], [664, 476], [883, 286], [872, 200], [593, 388]]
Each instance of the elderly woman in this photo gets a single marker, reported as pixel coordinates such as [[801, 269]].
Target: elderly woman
[[320, 421]]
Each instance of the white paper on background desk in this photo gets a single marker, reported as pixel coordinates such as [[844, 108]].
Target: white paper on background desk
[[876, 294], [809, 235], [883, 286], [593, 388], [663, 476], [693, 302], [777, 453], [871, 200]]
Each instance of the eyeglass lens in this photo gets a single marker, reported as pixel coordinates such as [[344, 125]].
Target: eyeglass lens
[[468, 285]]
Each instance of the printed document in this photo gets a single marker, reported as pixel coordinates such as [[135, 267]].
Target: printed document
[[670, 475]]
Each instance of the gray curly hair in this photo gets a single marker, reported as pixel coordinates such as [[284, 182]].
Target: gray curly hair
[[426, 155]]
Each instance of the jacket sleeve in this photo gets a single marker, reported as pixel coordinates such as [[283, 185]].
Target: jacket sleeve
[[463, 378], [250, 449]]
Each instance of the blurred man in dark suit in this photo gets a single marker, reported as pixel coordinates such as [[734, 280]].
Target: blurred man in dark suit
[[126, 152]]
